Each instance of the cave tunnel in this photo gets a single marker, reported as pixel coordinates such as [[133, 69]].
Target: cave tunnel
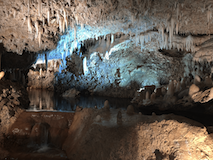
[[106, 79]]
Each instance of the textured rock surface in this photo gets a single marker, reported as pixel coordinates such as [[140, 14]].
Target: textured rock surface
[[71, 93], [40, 23], [136, 137], [36, 130], [13, 99]]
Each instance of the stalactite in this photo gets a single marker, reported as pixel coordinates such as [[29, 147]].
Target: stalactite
[[132, 17], [52, 11], [46, 61], [58, 17], [178, 10], [75, 32], [107, 55], [76, 19], [82, 26], [28, 7], [65, 18], [36, 26], [165, 41], [65, 46], [29, 25], [189, 43], [60, 25], [40, 71], [171, 31], [63, 25], [43, 21], [39, 7], [177, 28], [71, 50], [85, 68], [69, 2], [112, 38], [209, 16], [48, 16], [39, 39], [14, 14]]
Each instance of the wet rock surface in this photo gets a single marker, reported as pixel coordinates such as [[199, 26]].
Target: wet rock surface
[[106, 134], [38, 135], [13, 100]]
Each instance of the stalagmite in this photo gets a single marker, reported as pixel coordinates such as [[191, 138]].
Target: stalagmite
[[147, 95], [197, 80], [153, 96], [112, 39], [40, 72], [1, 74], [178, 87], [171, 88], [193, 89], [208, 81]]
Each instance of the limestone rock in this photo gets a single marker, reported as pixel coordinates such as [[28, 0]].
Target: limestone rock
[[98, 118], [106, 105], [193, 89], [130, 110], [78, 109], [71, 93]]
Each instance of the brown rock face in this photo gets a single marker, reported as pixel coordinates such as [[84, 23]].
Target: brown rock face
[[137, 137], [35, 25]]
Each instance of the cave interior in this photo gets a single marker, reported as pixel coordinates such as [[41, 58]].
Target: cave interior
[[106, 79]]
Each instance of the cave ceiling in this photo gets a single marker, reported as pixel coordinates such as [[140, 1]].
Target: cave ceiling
[[37, 25]]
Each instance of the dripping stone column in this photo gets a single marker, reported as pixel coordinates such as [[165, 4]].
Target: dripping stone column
[[46, 61]]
